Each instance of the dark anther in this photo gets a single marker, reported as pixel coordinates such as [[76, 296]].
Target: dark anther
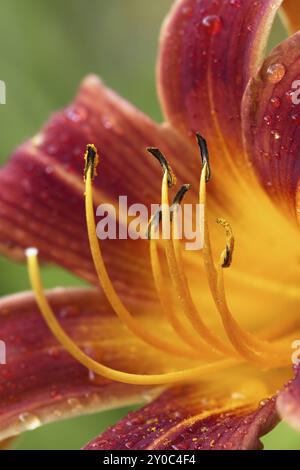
[[181, 193], [204, 155], [164, 164], [91, 157], [227, 258], [156, 219], [228, 252]]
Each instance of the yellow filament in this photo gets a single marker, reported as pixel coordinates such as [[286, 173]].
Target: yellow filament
[[180, 282], [187, 375], [107, 286], [250, 347], [166, 303]]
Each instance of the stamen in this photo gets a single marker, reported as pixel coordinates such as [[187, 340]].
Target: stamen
[[104, 279], [156, 218], [91, 158], [154, 224], [163, 291], [164, 164], [204, 155], [180, 195], [180, 283], [228, 252], [187, 375], [250, 347]]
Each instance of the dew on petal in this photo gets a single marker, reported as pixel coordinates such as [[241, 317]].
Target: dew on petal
[[49, 170], [213, 23], [289, 95], [275, 102], [30, 421], [275, 73], [268, 119], [74, 404], [276, 135], [69, 311], [107, 123], [265, 155], [186, 10], [54, 352], [76, 114], [235, 3], [296, 118]]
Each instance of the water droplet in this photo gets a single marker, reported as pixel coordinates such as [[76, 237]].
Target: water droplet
[[74, 403], [54, 352], [76, 114], [265, 155], [55, 394], [49, 170], [69, 311], [213, 23], [275, 102], [275, 73], [276, 135], [107, 123], [268, 119], [289, 95], [92, 376], [235, 3], [296, 118], [30, 421], [186, 10]]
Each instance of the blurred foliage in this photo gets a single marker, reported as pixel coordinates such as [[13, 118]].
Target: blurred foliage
[[46, 49]]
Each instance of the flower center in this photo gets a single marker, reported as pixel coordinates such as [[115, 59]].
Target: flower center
[[197, 340]]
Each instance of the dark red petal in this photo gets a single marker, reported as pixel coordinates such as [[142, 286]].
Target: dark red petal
[[209, 51], [42, 203], [288, 401], [41, 382], [271, 124], [175, 422]]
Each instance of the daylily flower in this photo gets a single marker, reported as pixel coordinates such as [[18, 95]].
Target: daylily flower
[[209, 347]]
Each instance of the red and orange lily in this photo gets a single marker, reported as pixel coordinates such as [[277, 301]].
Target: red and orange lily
[[212, 365]]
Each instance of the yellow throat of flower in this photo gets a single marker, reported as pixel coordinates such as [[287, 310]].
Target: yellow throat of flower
[[218, 353]]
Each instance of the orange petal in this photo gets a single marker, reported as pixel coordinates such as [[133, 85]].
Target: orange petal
[[42, 202], [209, 51], [41, 382], [291, 13], [184, 419], [271, 124]]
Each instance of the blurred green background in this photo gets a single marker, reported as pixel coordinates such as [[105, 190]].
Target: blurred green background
[[46, 48]]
